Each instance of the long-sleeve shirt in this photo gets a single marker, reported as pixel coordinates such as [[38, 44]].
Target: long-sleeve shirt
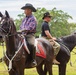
[[29, 23]]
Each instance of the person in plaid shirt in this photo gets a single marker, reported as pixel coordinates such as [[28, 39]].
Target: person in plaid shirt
[[29, 26]]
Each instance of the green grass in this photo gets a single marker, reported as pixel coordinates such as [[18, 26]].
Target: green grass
[[70, 70]]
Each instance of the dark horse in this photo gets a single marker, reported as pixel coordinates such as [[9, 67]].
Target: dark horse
[[67, 44], [16, 57]]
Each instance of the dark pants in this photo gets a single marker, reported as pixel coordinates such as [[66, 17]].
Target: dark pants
[[31, 40], [55, 45]]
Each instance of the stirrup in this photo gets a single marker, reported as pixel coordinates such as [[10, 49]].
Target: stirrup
[[34, 63]]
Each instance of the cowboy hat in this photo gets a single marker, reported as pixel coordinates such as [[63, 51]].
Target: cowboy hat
[[30, 6], [47, 14]]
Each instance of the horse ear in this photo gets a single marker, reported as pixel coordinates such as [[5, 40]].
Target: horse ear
[[7, 14], [1, 14]]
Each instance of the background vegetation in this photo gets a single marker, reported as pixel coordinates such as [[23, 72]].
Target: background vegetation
[[59, 24]]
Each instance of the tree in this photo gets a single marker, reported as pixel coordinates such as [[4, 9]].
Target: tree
[[59, 24], [72, 27], [19, 20], [39, 15]]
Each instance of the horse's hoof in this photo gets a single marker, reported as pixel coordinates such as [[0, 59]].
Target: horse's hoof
[[34, 63]]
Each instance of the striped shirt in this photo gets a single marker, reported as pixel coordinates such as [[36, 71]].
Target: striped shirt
[[29, 23]]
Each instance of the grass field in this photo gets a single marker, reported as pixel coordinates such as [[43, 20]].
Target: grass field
[[70, 70]]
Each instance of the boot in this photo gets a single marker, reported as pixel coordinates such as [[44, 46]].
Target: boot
[[34, 63], [55, 61]]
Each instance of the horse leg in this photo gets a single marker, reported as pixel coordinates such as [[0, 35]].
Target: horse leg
[[49, 68], [13, 72], [62, 69], [45, 69], [21, 72], [18, 72], [40, 70]]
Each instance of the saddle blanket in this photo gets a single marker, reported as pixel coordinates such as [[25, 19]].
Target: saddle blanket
[[41, 52], [39, 49]]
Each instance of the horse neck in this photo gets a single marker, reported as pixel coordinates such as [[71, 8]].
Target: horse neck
[[70, 45], [10, 45]]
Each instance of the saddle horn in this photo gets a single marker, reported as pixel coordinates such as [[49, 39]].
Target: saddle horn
[[7, 14]]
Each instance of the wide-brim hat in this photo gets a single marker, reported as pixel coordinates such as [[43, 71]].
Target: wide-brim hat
[[30, 6], [47, 14]]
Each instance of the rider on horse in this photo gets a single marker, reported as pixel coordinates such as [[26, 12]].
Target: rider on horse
[[46, 34], [29, 25]]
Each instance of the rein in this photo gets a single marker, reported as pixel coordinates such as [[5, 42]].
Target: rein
[[16, 52], [14, 34], [10, 60], [65, 47], [69, 52], [71, 64]]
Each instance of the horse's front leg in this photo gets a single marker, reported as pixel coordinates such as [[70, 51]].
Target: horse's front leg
[[21, 71], [40, 69], [62, 69], [17, 72], [48, 67], [13, 72]]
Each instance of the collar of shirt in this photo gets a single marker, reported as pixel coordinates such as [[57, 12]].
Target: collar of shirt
[[29, 16], [46, 21]]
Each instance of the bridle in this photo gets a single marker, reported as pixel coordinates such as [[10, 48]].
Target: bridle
[[10, 28], [8, 34]]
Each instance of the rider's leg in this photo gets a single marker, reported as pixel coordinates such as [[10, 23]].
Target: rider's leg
[[34, 56], [56, 47], [31, 41]]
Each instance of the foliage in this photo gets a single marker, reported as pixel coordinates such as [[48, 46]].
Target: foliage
[[59, 24], [19, 20], [72, 27]]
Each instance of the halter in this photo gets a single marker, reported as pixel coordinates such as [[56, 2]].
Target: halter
[[19, 45], [10, 60], [3, 29]]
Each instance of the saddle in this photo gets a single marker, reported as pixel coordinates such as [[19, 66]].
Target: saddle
[[39, 48]]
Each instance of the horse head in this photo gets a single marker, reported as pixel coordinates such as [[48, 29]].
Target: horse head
[[7, 26]]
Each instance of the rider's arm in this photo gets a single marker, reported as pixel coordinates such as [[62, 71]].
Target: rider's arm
[[48, 34]]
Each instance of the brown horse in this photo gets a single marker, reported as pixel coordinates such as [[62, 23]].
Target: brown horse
[[16, 57]]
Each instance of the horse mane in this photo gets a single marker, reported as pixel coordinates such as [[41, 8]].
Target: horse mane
[[69, 38], [13, 24]]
